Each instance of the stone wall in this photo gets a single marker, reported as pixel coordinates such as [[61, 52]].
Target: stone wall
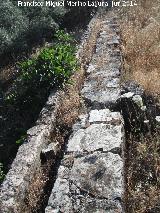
[[27, 161], [90, 176]]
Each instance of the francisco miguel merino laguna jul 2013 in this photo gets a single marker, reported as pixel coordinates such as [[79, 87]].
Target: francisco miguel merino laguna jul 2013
[[61, 4]]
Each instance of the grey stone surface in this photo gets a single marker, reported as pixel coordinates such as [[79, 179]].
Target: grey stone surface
[[104, 115], [97, 97], [102, 84], [17, 180], [13, 189], [94, 183], [158, 119], [127, 95], [132, 87], [52, 147], [98, 174], [137, 99], [90, 178], [96, 136]]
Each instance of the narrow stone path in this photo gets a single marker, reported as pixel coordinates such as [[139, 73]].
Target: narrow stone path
[[90, 177]]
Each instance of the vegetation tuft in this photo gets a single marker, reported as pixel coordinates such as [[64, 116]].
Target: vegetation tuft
[[51, 68], [140, 32]]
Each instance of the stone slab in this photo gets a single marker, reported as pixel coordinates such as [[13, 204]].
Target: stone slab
[[97, 136], [96, 97], [104, 115], [94, 183]]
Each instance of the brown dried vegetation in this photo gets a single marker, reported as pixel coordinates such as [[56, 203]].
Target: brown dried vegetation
[[140, 33]]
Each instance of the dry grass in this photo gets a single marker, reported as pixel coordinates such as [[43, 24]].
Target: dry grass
[[39, 188], [143, 175], [140, 31]]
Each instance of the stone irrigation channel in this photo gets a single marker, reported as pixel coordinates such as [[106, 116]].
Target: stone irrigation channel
[[90, 175]]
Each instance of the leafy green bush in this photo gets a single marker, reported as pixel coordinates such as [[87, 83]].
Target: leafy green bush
[[51, 68]]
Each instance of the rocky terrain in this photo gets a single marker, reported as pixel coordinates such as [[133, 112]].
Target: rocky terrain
[[79, 165]]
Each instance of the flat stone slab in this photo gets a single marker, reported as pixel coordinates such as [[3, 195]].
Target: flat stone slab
[[99, 174], [105, 115], [100, 130], [97, 97], [97, 136], [90, 178], [102, 86], [94, 183]]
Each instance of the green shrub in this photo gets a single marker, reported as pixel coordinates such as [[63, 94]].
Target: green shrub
[[51, 68]]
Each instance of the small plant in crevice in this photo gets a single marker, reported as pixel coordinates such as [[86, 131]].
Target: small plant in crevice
[[21, 140]]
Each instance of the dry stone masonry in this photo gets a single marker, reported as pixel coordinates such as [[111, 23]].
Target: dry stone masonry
[[102, 88], [90, 177], [15, 187]]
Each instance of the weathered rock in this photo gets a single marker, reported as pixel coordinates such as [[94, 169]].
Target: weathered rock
[[157, 122], [93, 183], [137, 99], [102, 85], [104, 115], [158, 119], [90, 178], [15, 185], [99, 174], [13, 189], [96, 137], [97, 98], [50, 152], [127, 95], [133, 87]]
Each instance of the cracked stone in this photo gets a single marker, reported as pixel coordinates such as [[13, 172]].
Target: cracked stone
[[59, 200], [104, 115], [107, 97], [94, 185], [95, 137], [99, 174]]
